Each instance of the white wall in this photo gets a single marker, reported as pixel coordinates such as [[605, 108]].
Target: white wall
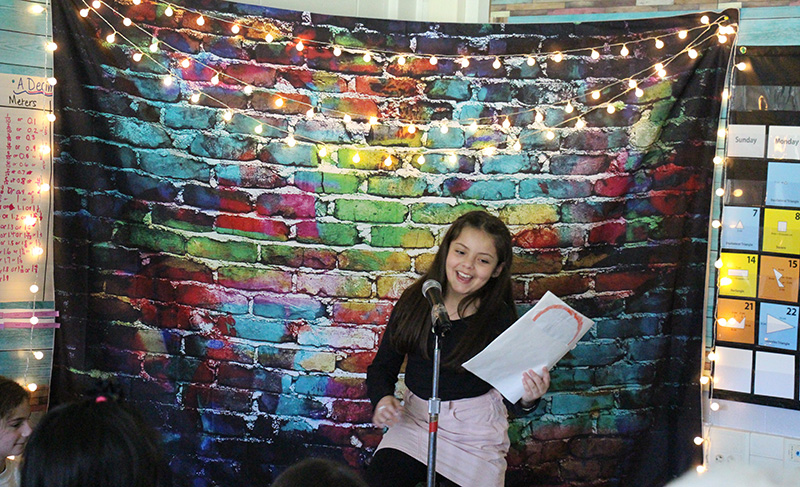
[[471, 11]]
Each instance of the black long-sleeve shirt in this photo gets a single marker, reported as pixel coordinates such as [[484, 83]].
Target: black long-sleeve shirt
[[453, 384]]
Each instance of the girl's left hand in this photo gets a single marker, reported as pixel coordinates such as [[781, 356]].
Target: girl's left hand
[[534, 386]]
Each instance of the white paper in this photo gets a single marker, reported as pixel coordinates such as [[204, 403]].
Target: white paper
[[538, 339]]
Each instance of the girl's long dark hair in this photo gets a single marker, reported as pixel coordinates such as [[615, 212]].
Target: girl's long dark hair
[[494, 299]]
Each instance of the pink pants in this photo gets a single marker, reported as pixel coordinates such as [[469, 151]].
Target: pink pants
[[472, 441]]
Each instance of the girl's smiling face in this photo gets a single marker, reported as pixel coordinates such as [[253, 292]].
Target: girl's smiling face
[[15, 430], [471, 261]]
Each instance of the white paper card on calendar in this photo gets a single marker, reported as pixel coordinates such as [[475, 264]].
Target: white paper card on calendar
[[540, 338]]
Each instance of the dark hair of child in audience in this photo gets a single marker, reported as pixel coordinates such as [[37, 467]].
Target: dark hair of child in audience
[[97, 442]]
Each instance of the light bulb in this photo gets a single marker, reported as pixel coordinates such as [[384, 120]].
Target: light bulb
[[290, 141], [725, 94], [444, 128], [718, 160], [235, 28], [337, 51], [517, 145], [595, 54], [356, 158], [714, 406], [387, 162], [659, 44], [421, 160], [34, 288], [96, 4], [473, 126], [725, 281], [227, 115], [195, 97], [84, 12], [716, 223], [712, 356], [488, 151], [411, 129], [34, 320], [137, 2], [569, 108], [539, 117], [269, 37], [596, 95], [32, 387], [698, 440], [632, 83], [704, 19], [558, 57], [401, 60], [168, 11], [215, 79], [550, 135], [110, 38], [167, 81], [127, 22], [741, 66], [367, 57], [692, 53], [373, 120], [718, 263], [201, 20], [682, 34], [37, 9], [722, 132], [137, 56], [639, 92], [51, 117], [700, 468], [531, 61], [279, 102], [720, 192], [154, 46], [506, 123], [300, 46], [310, 113], [186, 63], [453, 158], [722, 39], [51, 46], [624, 51], [259, 128], [347, 118], [496, 64], [248, 90], [464, 62], [44, 188], [44, 149], [580, 124], [38, 355], [322, 152], [30, 220], [433, 61], [704, 380]]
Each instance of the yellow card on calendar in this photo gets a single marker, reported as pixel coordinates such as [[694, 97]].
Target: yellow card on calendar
[[738, 275], [781, 231]]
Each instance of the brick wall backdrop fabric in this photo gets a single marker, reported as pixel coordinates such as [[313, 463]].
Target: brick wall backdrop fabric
[[236, 287]]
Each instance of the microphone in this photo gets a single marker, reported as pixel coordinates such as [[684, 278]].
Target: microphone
[[440, 319]]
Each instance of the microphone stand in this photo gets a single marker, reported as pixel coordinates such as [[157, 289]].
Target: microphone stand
[[439, 329]]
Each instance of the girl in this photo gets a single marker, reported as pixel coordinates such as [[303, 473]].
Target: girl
[[473, 264], [96, 442], [15, 410]]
